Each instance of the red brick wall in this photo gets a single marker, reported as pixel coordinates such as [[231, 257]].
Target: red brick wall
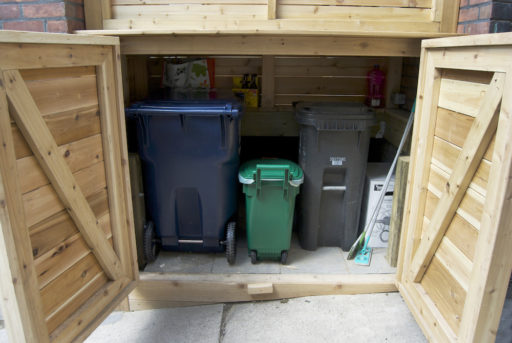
[[485, 16], [63, 16]]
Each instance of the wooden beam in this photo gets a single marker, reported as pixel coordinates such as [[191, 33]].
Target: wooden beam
[[470, 40], [271, 9], [21, 301], [34, 129], [242, 45], [34, 56], [397, 212], [55, 38], [267, 82], [449, 15], [96, 11], [218, 288], [480, 134], [294, 27]]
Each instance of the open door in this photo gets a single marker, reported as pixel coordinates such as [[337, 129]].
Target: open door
[[67, 253], [456, 256]]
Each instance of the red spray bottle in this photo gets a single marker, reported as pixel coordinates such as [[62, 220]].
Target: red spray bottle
[[376, 79]]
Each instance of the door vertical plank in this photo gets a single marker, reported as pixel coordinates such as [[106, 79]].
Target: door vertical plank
[[21, 301], [423, 155], [123, 146], [404, 238], [271, 9], [492, 262], [40, 140], [111, 146], [480, 135]]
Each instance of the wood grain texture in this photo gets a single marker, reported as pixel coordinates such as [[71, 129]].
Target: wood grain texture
[[481, 133], [474, 253], [18, 281], [59, 227], [218, 288], [450, 297], [65, 127], [395, 225], [36, 132], [243, 45]]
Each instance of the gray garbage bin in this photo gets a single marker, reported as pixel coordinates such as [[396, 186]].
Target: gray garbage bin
[[334, 140]]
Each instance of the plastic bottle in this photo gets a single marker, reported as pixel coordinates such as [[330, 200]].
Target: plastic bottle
[[376, 79]]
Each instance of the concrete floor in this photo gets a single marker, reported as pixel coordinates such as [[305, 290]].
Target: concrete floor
[[342, 318], [362, 318], [324, 260]]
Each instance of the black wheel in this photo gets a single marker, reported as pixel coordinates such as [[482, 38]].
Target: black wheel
[[254, 257], [284, 256], [149, 242], [231, 243]]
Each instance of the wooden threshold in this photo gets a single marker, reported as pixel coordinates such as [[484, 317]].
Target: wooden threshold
[[158, 290]]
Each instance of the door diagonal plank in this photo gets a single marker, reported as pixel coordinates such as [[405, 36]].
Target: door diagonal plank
[[479, 136], [40, 140]]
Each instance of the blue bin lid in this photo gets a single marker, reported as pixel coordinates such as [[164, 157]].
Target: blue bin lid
[[188, 108]]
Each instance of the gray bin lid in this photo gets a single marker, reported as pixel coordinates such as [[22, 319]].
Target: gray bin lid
[[335, 116]]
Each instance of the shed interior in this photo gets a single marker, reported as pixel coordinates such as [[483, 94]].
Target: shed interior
[[271, 130]]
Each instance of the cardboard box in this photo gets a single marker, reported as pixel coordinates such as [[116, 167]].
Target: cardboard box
[[375, 177]]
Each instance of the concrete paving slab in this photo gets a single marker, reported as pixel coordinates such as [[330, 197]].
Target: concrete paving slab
[[181, 262], [190, 324], [344, 318], [326, 260], [378, 264]]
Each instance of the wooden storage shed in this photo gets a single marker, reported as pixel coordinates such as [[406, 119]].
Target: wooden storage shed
[[68, 251]]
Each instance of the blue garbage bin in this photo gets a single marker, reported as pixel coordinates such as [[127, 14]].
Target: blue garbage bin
[[190, 158]]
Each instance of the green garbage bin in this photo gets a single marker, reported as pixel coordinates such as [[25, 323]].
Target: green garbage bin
[[270, 187]]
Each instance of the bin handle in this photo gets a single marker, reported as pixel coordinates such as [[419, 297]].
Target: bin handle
[[272, 166], [286, 179]]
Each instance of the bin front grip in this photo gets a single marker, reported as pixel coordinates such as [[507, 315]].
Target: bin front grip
[[286, 168]]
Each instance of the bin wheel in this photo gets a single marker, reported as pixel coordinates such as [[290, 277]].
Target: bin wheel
[[149, 242], [284, 256], [254, 257], [231, 243]]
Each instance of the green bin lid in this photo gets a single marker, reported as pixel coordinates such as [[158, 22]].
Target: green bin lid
[[271, 170]]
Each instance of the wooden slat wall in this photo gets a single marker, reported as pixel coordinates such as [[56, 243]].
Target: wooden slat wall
[[322, 78], [68, 101], [254, 16], [383, 10], [296, 78]]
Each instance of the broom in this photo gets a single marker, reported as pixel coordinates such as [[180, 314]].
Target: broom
[[360, 246]]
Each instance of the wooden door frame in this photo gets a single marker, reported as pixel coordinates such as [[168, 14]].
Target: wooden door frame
[[492, 261]]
